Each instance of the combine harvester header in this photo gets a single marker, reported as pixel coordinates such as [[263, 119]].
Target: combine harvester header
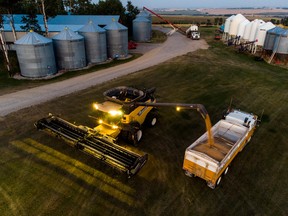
[[101, 147]]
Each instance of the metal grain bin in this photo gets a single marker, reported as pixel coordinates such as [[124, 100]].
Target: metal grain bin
[[147, 15], [270, 38], [95, 42], [117, 40], [35, 55], [141, 29], [69, 50], [281, 42]]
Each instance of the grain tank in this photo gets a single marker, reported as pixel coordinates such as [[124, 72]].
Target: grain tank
[[281, 42], [35, 55], [234, 24], [95, 42], [261, 33], [69, 50], [270, 38], [141, 29], [117, 40]]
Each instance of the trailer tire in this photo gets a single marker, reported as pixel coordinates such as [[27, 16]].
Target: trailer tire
[[226, 170], [187, 173], [218, 181]]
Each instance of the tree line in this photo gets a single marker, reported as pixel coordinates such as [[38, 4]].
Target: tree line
[[51, 8]]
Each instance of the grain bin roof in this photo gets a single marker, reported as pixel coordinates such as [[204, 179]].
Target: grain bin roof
[[114, 25], [33, 38], [91, 27], [67, 34]]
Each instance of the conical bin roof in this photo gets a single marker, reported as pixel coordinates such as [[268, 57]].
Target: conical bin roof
[[33, 38], [91, 27], [67, 34], [115, 26]]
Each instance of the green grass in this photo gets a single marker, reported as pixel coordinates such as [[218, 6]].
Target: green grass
[[41, 175]]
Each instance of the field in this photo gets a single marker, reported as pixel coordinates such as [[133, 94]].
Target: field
[[41, 175]]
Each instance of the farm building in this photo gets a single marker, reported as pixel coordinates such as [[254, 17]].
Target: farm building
[[56, 24]]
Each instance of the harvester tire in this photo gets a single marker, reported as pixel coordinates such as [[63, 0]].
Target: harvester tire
[[151, 118]]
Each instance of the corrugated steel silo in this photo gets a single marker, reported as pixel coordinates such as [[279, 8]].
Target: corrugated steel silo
[[148, 16], [95, 42], [117, 40], [141, 29], [270, 38], [35, 55], [281, 42], [69, 50]]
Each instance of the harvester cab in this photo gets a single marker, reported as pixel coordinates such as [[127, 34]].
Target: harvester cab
[[120, 115]]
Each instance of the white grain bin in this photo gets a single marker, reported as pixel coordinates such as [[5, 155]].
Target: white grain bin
[[69, 50], [281, 42], [247, 31], [95, 42], [141, 29], [270, 38], [233, 29], [262, 31], [117, 40], [241, 28], [227, 23], [254, 28], [35, 55]]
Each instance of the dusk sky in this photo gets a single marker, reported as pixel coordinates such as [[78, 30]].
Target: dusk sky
[[205, 3]]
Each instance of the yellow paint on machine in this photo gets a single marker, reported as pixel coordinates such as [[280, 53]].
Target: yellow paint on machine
[[210, 160]]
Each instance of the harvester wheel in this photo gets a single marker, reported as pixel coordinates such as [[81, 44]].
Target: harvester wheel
[[135, 134], [151, 118], [134, 137]]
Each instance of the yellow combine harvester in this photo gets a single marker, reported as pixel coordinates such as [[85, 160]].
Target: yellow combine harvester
[[120, 115]]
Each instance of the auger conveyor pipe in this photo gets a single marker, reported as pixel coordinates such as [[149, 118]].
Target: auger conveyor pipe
[[84, 139]]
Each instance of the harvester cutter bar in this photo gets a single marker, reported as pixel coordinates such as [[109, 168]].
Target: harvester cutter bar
[[85, 139]]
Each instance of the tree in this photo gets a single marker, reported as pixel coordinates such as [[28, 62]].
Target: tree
[[8, 7], [110, 7], [31, 21], [130, 15]]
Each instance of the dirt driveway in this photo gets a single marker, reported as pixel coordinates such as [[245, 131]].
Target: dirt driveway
[[175, 45]]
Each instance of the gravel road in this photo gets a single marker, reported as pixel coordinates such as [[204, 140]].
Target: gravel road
[[153, 54]]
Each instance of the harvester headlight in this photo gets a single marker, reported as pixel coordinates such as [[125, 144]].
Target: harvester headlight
[[178, 108], [95, 105], [115, 112], [100, 121], [114, 126]]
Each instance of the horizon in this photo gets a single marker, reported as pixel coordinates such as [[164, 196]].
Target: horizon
[[185, 4]]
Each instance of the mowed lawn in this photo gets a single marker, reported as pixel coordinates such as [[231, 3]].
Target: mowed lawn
[[41, 175]]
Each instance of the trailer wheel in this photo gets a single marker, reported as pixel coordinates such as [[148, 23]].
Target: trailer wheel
[[187, 173], [218, 181], [226, 170]]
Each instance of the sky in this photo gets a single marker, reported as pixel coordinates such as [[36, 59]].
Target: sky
[[205, 3]]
